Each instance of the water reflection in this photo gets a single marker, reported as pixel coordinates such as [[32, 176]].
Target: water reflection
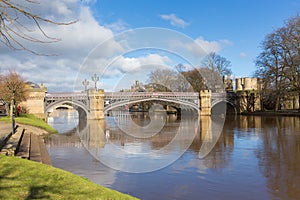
[[252, 153], [143, 147], [279, 156], [65, 121]]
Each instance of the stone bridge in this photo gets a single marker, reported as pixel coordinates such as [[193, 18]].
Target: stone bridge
[[96, 103], [181, 99]]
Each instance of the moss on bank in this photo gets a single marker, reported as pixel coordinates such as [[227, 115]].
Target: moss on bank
[[24, 179]]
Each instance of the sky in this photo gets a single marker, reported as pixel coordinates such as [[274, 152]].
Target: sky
[[123, 40]]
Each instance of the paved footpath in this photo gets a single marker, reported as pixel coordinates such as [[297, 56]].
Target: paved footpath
[[5, 129], [31, 146]]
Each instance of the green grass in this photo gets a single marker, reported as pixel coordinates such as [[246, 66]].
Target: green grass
[[24, 179], [30, 119]]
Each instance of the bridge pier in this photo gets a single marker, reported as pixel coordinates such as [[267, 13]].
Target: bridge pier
[[96, 104], [205, 103]]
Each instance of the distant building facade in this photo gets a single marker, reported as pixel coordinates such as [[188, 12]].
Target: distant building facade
[[2, 108], [35, 101], [248, 94], [248, 83]]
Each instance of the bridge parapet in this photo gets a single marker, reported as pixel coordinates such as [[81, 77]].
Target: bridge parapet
[[97, 102], [116, 99], [56, 96], [74, 99]]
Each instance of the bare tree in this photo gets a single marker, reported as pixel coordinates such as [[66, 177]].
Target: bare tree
[[291, 43], [214, 68], [217, 63], [271, 67], [13, 88], [164, 80], [279, 62], [13, 29], [195, 79]]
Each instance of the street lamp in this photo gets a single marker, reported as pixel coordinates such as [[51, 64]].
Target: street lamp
[[12, 106], [85, 83], [95, 78]]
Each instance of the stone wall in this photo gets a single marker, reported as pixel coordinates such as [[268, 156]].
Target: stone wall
[[248, 94], [248, 101], [35, 101], [291, 102], [96, 100], [248, 84], [205, 102]]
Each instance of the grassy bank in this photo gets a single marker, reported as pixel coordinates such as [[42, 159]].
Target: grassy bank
[[274, 113], [30, 119], [24, 179]]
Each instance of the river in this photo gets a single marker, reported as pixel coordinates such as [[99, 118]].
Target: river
[[169, 157]]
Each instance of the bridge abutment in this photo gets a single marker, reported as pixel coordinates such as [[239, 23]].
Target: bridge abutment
[[205, 103], [35, 102], [96, 104]]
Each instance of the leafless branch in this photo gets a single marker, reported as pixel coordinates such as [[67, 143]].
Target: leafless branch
[[13, 30]]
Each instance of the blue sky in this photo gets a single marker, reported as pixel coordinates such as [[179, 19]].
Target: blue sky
[[111, 38], [243, 23]]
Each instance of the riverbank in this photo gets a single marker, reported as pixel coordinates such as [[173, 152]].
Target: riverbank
[[25, 179], [29, 119], [274, 113]]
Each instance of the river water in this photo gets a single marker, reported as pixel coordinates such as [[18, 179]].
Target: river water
[[170, 157]]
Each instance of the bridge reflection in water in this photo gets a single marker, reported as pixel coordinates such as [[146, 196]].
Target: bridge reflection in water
[[252, 151], [156, 134]]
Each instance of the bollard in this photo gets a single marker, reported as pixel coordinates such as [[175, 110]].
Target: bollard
[[13, 124]]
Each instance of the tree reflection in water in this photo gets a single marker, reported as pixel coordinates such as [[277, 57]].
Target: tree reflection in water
[[253, 153], [279, 156]]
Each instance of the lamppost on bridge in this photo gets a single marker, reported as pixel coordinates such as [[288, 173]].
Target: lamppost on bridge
[[95, 78], [205, 84], [85, 83]]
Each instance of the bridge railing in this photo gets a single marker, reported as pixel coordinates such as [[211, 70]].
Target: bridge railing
[[65, 95], [150, 94]]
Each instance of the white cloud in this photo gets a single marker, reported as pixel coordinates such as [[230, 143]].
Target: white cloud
[[75, 61], [174, 20], [133, 65], [243, 54], [212, 46], [201, 47], [117, 26], [77, 40]]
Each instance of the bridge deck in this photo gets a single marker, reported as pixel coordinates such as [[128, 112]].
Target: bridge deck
[[116, 99]]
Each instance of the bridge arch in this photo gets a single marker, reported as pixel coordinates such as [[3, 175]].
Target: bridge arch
[[74, 104], [218, 102], [126, 102]]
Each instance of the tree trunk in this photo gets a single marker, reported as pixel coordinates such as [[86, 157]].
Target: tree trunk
[[299, 102], [277, 103]]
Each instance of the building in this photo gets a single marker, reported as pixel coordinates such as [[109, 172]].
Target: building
[[248, 83], [35, 101], [2, 108]]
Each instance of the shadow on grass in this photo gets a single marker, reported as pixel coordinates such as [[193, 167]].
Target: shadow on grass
[[6, 172], [38, 192]]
